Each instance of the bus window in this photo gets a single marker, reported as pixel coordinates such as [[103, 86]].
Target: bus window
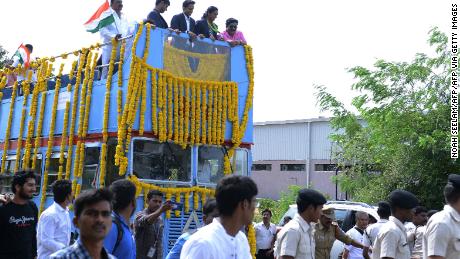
[[10, 164], [90, 168], [111, 174], [53, 170], [161, 161], [210, 164], [240, 162]]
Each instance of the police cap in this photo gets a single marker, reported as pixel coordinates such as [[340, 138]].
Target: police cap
[[328, 212], [403, 199], [454, 179]]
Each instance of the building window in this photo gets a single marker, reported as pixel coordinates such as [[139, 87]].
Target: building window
[[325, 167], [293, 167], [261, 167]]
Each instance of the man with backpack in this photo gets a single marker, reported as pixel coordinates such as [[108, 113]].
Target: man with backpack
[[120, 242]]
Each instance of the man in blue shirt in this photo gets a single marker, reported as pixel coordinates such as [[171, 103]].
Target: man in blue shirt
[[120, 241], [209, 213]]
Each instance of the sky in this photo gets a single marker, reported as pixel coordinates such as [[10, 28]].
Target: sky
[[296, 44]]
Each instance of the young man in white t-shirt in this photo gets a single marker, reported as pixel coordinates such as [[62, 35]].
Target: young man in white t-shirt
[[357, 234], [222, 239]]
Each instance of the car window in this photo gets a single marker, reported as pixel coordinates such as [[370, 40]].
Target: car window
[[340, 216], [290, 212]]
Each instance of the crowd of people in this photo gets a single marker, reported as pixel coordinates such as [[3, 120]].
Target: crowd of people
[[103, 217]]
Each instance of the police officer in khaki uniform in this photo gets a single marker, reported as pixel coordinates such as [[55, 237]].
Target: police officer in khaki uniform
[[391, 241], [327, 231], [296, 239], [442, 237]]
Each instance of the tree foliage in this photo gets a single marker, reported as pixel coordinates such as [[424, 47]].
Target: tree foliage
[[399, 135], [3, 57]]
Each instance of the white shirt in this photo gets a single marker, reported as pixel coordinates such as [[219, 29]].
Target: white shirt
[[442, 234], [371, 232], [53, 231], [355, 252], [120, 26], [213, 242], [296, 239], [187, 21], [391, 241], [264, 235]]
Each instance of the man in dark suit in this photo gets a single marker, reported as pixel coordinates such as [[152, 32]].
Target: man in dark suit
[[184, 22], [155, 17]]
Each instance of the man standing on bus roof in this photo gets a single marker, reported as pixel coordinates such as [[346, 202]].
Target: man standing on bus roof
[[442, 236], [148, 227], [184, 22], [296, 240], [18, 219], [120, 28], [53, 232], [120, 241], [236, 202], [155, 16]]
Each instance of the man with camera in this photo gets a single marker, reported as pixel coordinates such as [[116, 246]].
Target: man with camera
[[148, 227]]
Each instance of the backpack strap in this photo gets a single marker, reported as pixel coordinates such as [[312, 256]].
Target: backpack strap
[[117, 222]]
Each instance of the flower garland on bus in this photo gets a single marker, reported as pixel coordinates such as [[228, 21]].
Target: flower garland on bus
[[39, 130], [236, 140], [25, 86], [176, 191], [252, 240], [63, 140], [105, 122], [32, 114], [85, 101], [79, 155], [74, 114], [49, 148], [8, 127]]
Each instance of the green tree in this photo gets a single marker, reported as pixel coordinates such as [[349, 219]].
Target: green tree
[[3, 57], [399, 135]]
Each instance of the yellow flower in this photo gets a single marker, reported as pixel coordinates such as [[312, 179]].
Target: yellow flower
[[8, 127]]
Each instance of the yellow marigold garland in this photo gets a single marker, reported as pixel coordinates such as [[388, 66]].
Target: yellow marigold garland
[[63, 140], [39, 129], [153, 80], [25, 86], [186, 115], [177, 196], [210, 111], [32, 114], [203, 113], [120, 63], [252, 240], [170, 107], [176, 110], [74, 116], [49, 149], [8, 127]]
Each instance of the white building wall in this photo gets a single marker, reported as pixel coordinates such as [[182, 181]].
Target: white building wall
[[280, 142]]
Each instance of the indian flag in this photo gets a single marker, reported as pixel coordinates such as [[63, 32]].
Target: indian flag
[[23, 54], [101, 18]]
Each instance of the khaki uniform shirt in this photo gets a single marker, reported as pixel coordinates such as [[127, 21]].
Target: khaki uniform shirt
[[392, 241], [325, 237], [442, 236], [296, 239]]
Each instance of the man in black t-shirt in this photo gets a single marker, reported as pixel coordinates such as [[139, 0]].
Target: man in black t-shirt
[[18, 220]]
